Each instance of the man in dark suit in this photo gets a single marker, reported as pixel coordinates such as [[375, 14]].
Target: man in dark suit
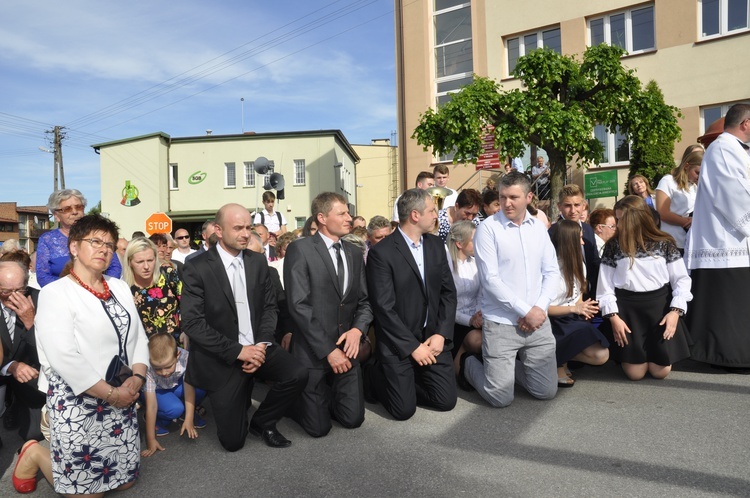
[[571, 205], [207, 230], [229, 313], [413, 299], [20, 363], [327, 297]]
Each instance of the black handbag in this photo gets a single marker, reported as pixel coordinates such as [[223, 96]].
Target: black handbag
[[118, 372]]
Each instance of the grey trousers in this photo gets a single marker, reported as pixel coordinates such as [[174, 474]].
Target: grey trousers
[[512, 356]]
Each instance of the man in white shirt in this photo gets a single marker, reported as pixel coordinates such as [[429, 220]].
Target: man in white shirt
[[519, 275], [183, 250], [442, 174], [273, 220]]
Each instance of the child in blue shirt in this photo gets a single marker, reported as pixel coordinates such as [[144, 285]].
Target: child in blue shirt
[[167, 395]]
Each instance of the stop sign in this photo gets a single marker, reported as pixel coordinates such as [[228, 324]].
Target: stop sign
[[158, 223]]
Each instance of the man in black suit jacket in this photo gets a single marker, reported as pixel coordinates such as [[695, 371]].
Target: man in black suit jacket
[[231, 341], [413, 299], [327, 317], [571, 205], [20, 363]]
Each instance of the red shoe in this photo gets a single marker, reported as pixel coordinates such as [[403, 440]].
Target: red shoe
[[24, 486]]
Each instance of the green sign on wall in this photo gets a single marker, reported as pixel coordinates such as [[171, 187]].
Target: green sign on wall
[[601, 184]]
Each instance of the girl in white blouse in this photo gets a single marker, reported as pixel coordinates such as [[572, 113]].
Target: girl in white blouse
[[576, 337], [675, 195], [467, 331], [643, 292]]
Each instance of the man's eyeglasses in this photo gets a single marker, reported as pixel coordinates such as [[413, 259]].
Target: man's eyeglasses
[[98, 244], [182, 237], [8, 292], [611, 227], [70, 209]]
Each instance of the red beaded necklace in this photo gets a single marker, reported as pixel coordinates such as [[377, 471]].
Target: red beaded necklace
[[104, 296]]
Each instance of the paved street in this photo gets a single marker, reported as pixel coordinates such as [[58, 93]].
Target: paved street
[[686, 436]]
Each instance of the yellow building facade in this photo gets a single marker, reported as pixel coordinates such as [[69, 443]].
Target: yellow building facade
[[694, 49], [190, 178]]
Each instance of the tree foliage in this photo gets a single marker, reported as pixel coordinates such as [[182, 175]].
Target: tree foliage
[[652, 159], [556, 109]]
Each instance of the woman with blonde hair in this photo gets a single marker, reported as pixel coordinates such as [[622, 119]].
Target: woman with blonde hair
[[156, 288], [675, 195], [643, 292], [639, 185], [467, 331]]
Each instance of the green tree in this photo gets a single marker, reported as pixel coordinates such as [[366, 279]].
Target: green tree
[[97, 209], [652, 159], [556, 109]]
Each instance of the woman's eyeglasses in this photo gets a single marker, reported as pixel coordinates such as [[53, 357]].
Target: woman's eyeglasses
[[70, 209]]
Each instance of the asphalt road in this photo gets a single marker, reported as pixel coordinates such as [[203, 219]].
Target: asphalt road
[[688, 435]]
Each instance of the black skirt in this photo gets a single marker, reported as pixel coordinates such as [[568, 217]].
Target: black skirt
[[573, 334], [642, 312], [459, 334], [719, 319]]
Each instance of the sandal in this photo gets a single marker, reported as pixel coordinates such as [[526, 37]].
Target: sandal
[[24, 486], [565, 382]]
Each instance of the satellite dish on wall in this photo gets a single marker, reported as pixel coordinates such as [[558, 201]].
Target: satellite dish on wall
[[261, 166]]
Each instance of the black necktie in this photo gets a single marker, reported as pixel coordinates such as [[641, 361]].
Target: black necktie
[[339, 266]]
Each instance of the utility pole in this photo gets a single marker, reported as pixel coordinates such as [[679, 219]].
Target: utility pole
[[59, 172]]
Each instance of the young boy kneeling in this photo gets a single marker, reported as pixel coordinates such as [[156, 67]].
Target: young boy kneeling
[[167, 395]]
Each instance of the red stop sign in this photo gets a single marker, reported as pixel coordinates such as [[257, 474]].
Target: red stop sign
[[158, 223]]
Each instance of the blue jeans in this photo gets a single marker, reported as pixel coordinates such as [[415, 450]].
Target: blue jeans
[[535, 370], [171, 403]]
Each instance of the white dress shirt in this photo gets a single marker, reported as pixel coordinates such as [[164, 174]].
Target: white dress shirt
[[466, 279], [517, 267], [332, 253], [246, 337]]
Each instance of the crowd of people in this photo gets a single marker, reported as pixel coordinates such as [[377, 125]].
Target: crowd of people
[[481, 293]]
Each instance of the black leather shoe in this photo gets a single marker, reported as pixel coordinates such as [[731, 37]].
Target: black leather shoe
[[10, 419], [461, 379], [272, 437]]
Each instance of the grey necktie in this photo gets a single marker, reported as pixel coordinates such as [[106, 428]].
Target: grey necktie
[[10, 321], [340, 267], [240, 300]]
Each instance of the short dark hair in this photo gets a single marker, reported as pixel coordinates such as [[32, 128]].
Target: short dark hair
[[736, 115], [442, 169], [469, 197], [323, 203], [92, 223], [422, 176], [515, 178], [159, 239], [412, 199], [206, 223], [490, 195], [599, 216], [268, 196]]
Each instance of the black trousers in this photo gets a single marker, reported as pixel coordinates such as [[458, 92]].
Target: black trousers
[[231, 403], [27, 404], [401, 385], [329, 395]]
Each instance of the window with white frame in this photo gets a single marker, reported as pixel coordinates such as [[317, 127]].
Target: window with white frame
[[230, 176], [173, 177], [632, 30], [723, 17], [454, 58], [524, 44], [249, 173], [711, 113], [616, 146], [299, 172]]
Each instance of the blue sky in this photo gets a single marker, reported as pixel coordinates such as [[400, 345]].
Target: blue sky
[[114, 70]]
